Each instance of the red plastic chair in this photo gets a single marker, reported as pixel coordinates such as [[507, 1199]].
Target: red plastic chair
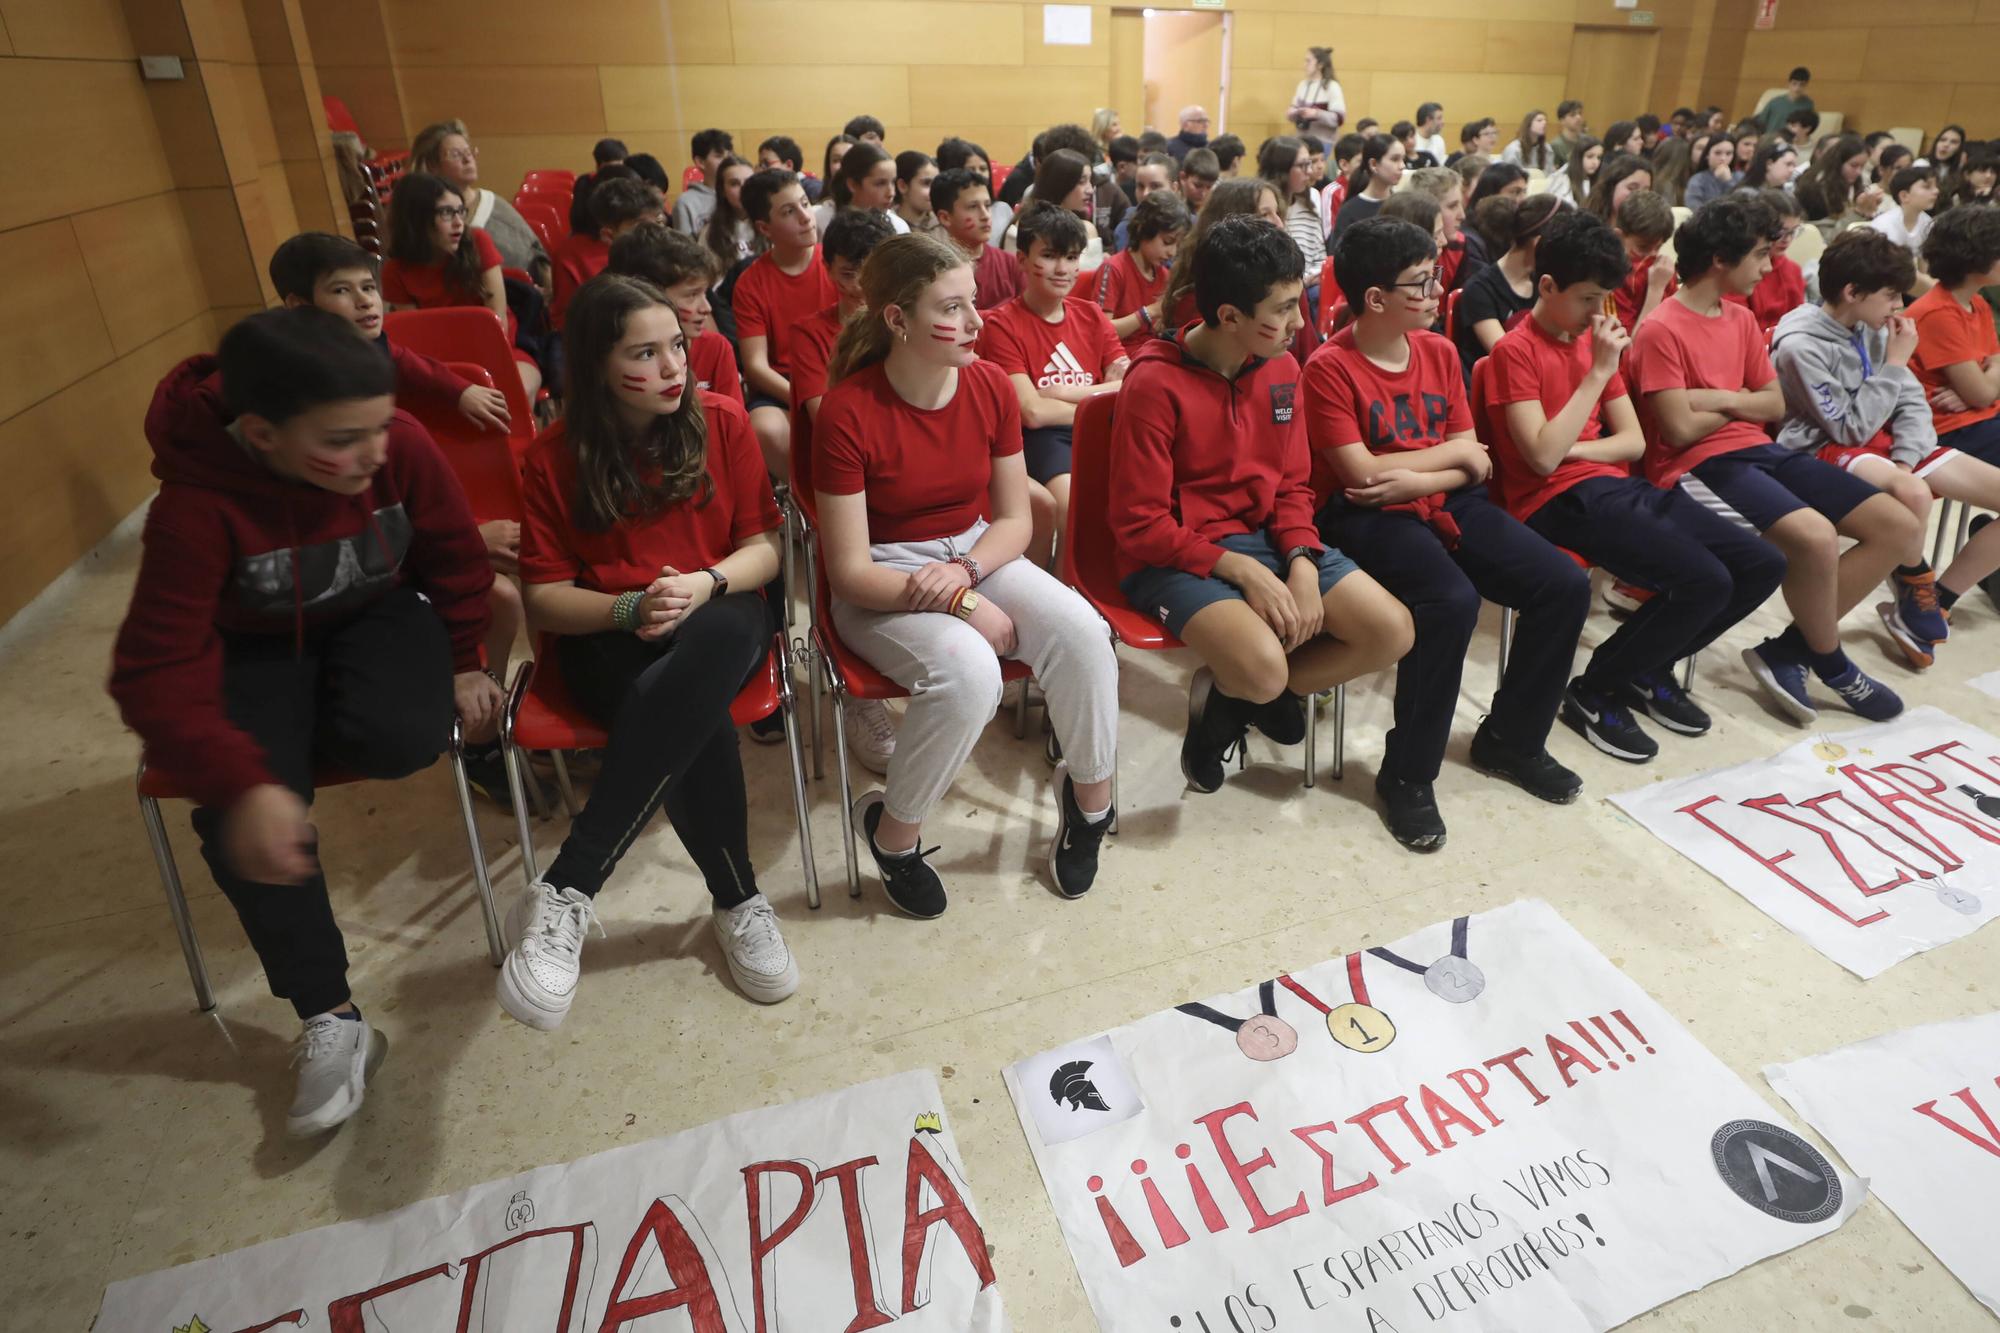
[[996, 176], [556, 199], [484, 461], [1451, 313], [543, 218], [541, 715], [469, 334], [1329, 297], [554, 176], [155, 786], [1088, 562]]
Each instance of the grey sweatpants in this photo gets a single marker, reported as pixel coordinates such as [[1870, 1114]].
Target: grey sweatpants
[[953, 675]]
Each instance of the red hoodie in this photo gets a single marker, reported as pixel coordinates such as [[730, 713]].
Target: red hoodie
[[1196, 457], [223, 541], [423, 376]]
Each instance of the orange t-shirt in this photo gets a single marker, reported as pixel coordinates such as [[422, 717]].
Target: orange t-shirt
[[1948, 333]]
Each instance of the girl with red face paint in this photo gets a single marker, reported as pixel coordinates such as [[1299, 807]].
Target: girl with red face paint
[[650, 530]]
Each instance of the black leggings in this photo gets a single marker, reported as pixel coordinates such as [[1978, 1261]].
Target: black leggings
[[666, 705], [370, 695]]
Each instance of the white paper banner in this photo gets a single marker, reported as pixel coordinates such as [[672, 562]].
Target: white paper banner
[[1484, 1126], [849, 1210], [1918, 1113], [1988, 684], [1873, 844]]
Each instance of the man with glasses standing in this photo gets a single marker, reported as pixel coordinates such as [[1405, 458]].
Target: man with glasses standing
[[1193, 135], [1399, 476]]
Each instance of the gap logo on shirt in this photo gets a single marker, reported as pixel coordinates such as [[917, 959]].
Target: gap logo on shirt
[[1401, 422], [1064, 369], [1281, 403]]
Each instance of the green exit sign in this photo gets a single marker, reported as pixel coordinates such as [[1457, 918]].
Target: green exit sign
[[1642, 18], [1208, 4]]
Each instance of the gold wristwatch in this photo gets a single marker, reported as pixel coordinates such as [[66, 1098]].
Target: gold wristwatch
[[967, 605]]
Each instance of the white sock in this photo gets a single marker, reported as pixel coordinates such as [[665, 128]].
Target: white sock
[[1094, 816]]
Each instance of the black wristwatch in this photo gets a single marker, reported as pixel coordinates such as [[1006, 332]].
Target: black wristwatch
[[721, 581], [1300, 553]]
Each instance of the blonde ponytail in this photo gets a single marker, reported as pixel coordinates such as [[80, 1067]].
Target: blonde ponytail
[[895, 273]]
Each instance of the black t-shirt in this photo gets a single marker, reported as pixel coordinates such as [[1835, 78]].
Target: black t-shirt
[[1487, 296], [1355, 208]]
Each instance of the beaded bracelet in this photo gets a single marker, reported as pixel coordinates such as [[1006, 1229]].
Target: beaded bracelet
[[625, 611]]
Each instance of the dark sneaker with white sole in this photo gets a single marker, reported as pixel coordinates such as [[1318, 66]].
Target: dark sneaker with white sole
[[1282, 720], [1918, 651], [1410, 810], [908, 879], [1073, 852], [1661, 698], [1606, 724], [1216, 728], [1537, 774], [1783, 679], [1864, 694], [1990, 585]]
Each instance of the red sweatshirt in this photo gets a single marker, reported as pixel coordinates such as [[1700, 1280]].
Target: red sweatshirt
[[231, 545], [1196, 457], [420, 376]]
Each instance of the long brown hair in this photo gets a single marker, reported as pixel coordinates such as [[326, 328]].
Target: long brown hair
[[1236, 195], [618, 476], [413, 236], [895, 273], [1538, 154], [728, 220]]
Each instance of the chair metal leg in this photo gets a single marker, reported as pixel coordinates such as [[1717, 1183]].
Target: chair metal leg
[[1021, 709], [1964, 528], [811, 659], [537, 798], [489, 913], [846, 790], [1311, 758], [517, 763], [177, 908], [815, 694], [569, 800], [1687, 671], [788, 701], [1506, 641], [1944, 511], [1339, 732], [787, 534]]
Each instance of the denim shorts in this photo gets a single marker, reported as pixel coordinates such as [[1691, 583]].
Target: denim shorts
[[1172, 596]]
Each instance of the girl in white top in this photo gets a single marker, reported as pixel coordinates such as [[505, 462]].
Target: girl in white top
[[1318, 106], [1284, 162], [1531, 144], [1572, 183], [866, 178], [1063, 177], [914, 173]]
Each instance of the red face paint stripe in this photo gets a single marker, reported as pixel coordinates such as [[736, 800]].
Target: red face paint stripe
[[324, 468]]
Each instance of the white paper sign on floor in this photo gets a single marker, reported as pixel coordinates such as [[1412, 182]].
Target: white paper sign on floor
[[1918, 1113], [1873, 844], [1987, 684], [1484, 1126], [849, 1210]]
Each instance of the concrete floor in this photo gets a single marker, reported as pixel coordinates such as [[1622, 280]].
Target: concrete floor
[[136, 1133]]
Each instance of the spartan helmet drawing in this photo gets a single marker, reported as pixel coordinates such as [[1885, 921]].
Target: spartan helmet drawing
[[1071, 1083]]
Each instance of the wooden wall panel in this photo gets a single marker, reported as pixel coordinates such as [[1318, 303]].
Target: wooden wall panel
[[6, 39], [373, 94], [682, 32], [187, 131], [1384, 42], [1971, 56], [345, 32], [68, 29], [684, 98], [313, 191], [220, 251], [142, 267], [879, 32], [1036, 52], [1834, 53], [1864, 13], [1527, 48], [80, 135], [944, 94], [508, 99], [51, 331], [219, 30]]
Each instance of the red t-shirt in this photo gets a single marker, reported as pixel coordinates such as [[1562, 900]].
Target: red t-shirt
[[1530, 365], [1349, 399], [1076, 351], [996, 278], [1121, 291], [577, 260], [1782, 291], [1630, 299], [712, 362], [424, 285], [1948, 333], [690, 535], [1679, 349], [771, 303], [927, 473], [812, 353]]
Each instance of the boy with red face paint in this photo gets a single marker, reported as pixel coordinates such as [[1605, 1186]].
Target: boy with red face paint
[[313, 589]]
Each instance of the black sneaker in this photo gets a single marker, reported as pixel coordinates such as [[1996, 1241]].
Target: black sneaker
[[486, 774], [1216, 728], [1990, 585], [1538, 774], [1410, 809], [1283, 719], [1073, 853], [1663, 699], [1606, 724], [769, 730], [908, 879]]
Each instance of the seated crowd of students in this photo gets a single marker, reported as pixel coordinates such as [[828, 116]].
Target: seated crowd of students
[[1315, 474]]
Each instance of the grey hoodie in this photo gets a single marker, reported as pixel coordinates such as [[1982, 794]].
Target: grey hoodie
[[1838, 391]]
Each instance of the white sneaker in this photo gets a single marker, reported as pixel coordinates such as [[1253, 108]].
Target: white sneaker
[[545, 954], [333, 1057], [871, 733], [748, 933]]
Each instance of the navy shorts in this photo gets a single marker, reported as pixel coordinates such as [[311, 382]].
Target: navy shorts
[[1981, 439], [757, 400], [1759, 485], [1172, 596], [1046, 449]]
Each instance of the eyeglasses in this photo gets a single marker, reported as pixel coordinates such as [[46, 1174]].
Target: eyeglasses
[[446, 212], [462, 155], [1428, 285]]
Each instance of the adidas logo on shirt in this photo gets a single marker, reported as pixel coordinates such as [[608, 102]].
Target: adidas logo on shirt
[[1064, 369]]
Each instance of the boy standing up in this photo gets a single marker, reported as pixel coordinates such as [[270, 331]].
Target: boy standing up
[[964, 204], [782, 287], [312, 589], [1564, 438], [1706, 391], [1397, 471], [1212, 509]]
